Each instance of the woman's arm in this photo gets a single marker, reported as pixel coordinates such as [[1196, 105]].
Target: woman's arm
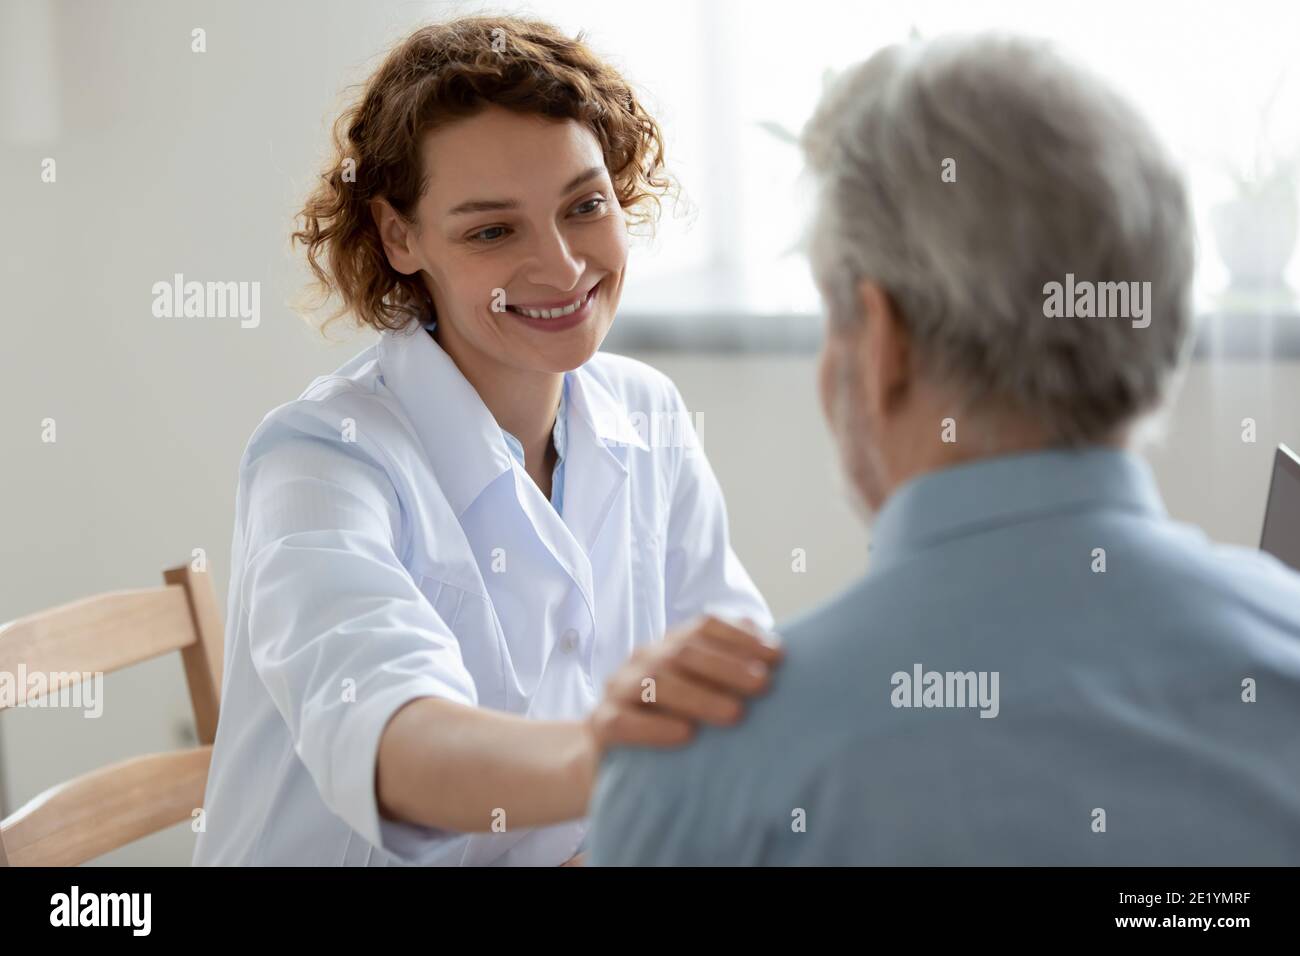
[[443, 764], [449, 766]]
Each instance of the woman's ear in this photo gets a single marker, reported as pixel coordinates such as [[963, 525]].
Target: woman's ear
[[883, 351], [397, 235]]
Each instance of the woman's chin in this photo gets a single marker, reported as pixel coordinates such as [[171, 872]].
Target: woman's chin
[[565, 351]]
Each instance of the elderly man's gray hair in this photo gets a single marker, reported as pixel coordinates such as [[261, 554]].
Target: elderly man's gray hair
[[966, 176]]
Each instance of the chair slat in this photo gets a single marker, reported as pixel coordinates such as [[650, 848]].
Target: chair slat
[[97, 634], [104, 809]]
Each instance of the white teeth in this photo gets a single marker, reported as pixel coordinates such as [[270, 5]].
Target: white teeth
[[551, 313]]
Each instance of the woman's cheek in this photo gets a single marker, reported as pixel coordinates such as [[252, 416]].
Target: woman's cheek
[[617, 240]]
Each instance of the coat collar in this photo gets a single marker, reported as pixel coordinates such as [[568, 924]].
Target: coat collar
[[463, 441]]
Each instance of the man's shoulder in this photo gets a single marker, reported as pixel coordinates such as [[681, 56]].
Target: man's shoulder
[[712, 800], [1244, 571], [1224, 591]]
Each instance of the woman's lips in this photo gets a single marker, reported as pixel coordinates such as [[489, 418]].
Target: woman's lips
[[562, 322]]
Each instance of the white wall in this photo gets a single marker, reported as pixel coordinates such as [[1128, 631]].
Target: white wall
[[169, 162]]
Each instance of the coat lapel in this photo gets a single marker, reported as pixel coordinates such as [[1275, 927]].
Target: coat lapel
[[466, 449]]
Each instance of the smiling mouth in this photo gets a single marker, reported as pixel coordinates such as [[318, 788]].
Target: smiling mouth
[[559, 311]]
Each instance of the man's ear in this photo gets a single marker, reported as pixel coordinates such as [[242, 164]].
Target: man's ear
[[883, 351], [397, 235]]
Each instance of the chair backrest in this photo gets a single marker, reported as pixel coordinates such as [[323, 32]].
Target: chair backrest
[[99, 811]]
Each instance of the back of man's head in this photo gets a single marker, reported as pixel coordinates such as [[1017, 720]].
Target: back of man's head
[[1033, 233]]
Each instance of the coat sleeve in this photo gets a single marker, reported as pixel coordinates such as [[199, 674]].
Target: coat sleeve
[[702, 573], [339, 632]]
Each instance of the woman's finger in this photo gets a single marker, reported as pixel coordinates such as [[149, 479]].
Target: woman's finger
[[683, 695], [747, 640], [721, 664]]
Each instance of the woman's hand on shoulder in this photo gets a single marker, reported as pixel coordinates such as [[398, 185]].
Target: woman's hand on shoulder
[[702, 671]]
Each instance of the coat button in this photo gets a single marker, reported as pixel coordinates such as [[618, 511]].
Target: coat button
[[569, 640]]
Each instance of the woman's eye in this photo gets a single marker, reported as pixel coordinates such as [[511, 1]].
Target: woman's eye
[[490, 234], [590, 206]]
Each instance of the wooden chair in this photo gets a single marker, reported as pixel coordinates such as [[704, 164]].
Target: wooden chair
[[106, 808]]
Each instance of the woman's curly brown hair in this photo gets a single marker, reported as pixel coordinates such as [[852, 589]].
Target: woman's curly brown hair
[[439, 74]]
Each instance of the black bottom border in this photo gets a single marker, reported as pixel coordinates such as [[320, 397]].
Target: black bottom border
[[306, 906]]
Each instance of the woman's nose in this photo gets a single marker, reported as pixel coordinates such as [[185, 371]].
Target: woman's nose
[[556, 263]]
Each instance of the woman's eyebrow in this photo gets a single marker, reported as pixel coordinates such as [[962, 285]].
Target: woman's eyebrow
[[493, 205], [582, 177]]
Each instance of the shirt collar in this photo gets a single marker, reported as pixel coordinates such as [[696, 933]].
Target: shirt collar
[[994, 492], [464, 443], [558, 433]]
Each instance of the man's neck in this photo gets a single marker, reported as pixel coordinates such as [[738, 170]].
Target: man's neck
[[988, 438]]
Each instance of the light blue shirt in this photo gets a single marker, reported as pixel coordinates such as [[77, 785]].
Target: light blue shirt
[[557, 437], [1147, 700]]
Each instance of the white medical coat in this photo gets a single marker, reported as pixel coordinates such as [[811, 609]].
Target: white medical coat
[[388, 547]]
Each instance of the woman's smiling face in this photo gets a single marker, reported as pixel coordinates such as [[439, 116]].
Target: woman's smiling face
[[520, 239]]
